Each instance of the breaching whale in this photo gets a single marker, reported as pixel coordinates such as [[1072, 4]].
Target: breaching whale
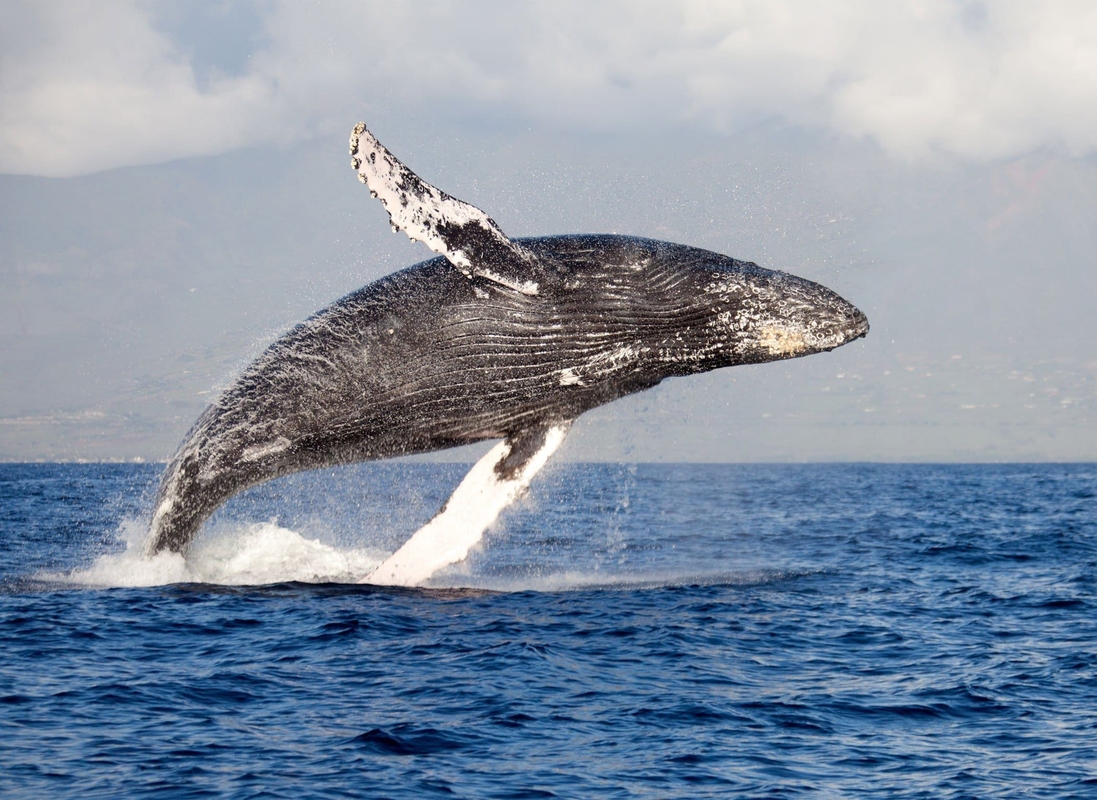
[[496, 338]]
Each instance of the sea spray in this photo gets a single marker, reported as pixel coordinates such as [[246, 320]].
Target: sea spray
[[240, 554]]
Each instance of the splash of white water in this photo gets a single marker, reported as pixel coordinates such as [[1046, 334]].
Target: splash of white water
[[265, 553], [243, 555]]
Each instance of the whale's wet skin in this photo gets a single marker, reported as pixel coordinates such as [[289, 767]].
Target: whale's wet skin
[[495, 339]]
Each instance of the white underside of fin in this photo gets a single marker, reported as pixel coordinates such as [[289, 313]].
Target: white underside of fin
[[471, 509], [422, 210]]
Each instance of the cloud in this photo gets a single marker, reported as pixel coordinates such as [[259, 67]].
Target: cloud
[[87, 87], [90, 86]]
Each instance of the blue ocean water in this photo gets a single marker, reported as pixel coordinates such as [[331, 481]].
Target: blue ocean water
[[661, 631]]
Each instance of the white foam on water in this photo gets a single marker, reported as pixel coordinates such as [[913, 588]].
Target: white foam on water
[[249, 554], [263, 553], [580, 581]]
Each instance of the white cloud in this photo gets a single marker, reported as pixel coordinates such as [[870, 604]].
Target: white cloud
[[86, 87], [89, 86]]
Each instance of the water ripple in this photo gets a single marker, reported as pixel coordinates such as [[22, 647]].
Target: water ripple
[[755, 631]]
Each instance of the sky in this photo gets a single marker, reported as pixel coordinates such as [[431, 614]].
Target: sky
[[175, 192]]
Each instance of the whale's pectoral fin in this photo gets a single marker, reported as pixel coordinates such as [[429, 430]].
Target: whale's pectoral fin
[[493, 483], [461, 232], [526, 446]]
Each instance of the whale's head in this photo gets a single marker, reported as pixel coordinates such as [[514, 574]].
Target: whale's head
[[698, 310], [661, 309], [757, 315]]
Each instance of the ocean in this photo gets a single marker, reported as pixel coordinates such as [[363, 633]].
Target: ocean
[[663, 631]]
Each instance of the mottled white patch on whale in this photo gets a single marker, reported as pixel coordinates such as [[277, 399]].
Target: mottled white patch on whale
[[601, 365], [163, 510], [782, 341], [257, 451], [524, 287], [613, 360], [568, 377]]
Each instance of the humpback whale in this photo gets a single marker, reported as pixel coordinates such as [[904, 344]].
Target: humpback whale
[[495, 338]]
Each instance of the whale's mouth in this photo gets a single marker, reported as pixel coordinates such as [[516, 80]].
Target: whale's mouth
[[801, 338], [847, 325], [858, 326]]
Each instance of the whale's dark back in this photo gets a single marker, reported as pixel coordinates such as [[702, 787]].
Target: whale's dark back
[[426, 358]]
